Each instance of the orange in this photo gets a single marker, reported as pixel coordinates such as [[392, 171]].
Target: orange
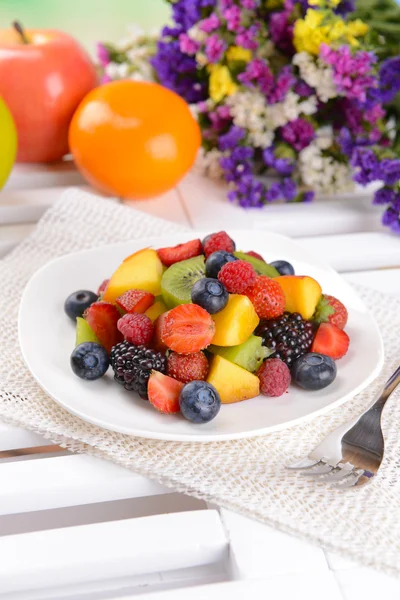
[[133, 139]]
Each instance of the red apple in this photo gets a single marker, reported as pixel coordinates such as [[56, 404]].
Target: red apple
[[44, 75]]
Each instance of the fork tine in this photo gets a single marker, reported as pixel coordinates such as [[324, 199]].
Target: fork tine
[[335, 475], [320, 468], [305, 463], [351, 480]]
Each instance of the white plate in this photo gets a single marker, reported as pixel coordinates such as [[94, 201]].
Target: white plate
[[47, 339]]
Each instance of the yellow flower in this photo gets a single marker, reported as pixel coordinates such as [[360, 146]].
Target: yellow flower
[[337, 31], [220, 84], [308, 35], [322, 3], [238, 53], [357, 28]]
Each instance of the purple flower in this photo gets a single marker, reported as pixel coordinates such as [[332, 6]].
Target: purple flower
[[224, 4], [289, 189], [187, 45], [215, 48], [281, 29], [103, 55], [247, 37], [219, 117], [274, 192], [233, 16], [352, 73], [389, 79], [282, 165], [188, 12], [283, 83], [308, 196], [257, 73], [238, 163], [346, 141], [345, 7], [105, 79], [390, 170], [210, 24], [249, 192], [303, 89], [391, 218], [250, 4], [231, 139], [298, 133], [178, 71], [368, 166], [385, 195]]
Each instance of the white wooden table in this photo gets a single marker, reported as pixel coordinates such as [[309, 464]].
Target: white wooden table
[[72, 526]]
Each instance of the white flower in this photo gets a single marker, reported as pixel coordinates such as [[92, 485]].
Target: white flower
[[323, 173], [201, 59], [317, 74], [136, 33], [116, 70], [208, 163], [196, 34], [324, 137]]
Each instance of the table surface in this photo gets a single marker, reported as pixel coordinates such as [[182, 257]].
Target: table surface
[[229, 554]]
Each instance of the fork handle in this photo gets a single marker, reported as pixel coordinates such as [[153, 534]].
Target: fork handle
[[390, 386]]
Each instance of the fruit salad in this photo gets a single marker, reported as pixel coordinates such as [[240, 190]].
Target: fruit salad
[[198, 325]]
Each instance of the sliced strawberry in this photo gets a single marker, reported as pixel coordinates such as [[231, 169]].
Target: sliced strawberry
[[169, 256], [330, 340], [187, 328], [157, 342], [103, 318], [102, 287], [135, 301], [163, 393], [255, 254]]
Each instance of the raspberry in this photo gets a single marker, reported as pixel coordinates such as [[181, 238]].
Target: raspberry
[[274, 376], [137, 329], [188, 367], [267, 297], [218, 241], [255, 254], [237, 276]]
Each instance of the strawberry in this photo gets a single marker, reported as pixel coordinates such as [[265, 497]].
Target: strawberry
[[169, 256], [255, 254], [267, 297], [102, 287], [338, 312], [187, 328], [331, 341], [103, 318], [163, 392], [157, 342], [135, 301], [188, 367]]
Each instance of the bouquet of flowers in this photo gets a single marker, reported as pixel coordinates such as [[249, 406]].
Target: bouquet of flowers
[[291, 97]]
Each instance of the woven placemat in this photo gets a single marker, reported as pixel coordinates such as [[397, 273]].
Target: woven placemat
[[247, 476]]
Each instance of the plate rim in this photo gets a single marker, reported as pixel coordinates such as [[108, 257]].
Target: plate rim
[[194, 438]]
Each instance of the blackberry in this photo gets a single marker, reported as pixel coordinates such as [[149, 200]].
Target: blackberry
[[290, 336], [132, 366]]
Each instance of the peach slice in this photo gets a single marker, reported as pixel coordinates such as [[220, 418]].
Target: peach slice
[[233, 383], [236, 322], [142, 270], [302, 294]]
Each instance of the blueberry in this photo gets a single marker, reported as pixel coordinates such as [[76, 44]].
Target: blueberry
[[199, 402], [76, 304], [314, 371], [89, 361], [210, 294], [216, 261], [283, 267]]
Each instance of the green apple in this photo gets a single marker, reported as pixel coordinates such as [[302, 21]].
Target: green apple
[[8, 142]]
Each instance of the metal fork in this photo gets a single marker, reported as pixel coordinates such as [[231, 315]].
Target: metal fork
[[352, 454]]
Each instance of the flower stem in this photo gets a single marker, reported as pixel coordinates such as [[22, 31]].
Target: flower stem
[[20, 30]]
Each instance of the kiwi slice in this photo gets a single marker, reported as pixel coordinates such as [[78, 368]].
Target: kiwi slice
[[178, 280], [84, 333], [250, 354], [261, 267]]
